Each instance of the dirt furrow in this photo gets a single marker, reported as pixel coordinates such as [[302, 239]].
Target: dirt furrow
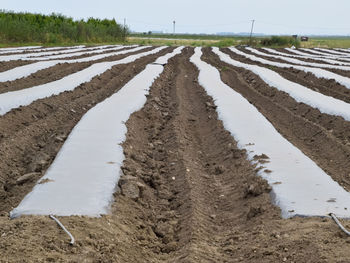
[[278, 59], [7, 65], [314, 54], [328, 87], [54, 73], [200, 199], [248, 61], [291, 53], [305, 59], [187, 193], [31, 136], [189, 168], [324, 138], [106, 51]]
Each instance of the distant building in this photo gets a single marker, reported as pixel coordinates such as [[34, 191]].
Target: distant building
[[303, 38]]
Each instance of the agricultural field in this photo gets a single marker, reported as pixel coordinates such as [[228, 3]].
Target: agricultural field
[[226, 41], [174, 154]]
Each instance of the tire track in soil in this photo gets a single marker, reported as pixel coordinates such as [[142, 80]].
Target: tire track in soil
[[31, 136], [55, 73], [198, 198], [323, 138], [157, 219]]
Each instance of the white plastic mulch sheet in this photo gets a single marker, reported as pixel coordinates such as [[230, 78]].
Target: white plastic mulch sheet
[[38, 54], [15, 99], [301, 51], [301, 62], [87, 51], [105, 55], [344, 50], [18, 49], [298, 54], [33, 51], [327, 51], [82, 178], [322, 54], [318, 56], [299, 186], [26, 70], [318, 72]]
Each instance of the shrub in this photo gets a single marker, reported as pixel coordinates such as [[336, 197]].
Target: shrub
[[56, 28], [226, 43], [280, 41]]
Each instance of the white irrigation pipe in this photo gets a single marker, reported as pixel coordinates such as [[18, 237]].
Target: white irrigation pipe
[[339, 224], [72, 240]]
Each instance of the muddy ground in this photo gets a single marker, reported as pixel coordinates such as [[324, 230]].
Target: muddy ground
[[187, 193]]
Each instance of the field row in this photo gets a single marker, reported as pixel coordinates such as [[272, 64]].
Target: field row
[[188, 131]]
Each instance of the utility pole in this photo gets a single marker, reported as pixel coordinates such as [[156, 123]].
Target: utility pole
[[251, 33], [174, 27], [124, 29]]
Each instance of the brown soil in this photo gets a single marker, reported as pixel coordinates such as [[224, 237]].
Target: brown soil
[[315, 60], [324, 138], [31, 136], [327, 87], [106, 51], [198, 198], [337, 71], [291, 53], [7, 65], [113, 58], [53, 73], [43, 76], [326, 52], [28, 51], [310, 53]]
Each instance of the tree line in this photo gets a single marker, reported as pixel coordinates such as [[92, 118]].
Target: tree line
[[57, 28]]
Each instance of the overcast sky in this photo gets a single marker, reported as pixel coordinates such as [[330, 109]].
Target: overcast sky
[[206, 16]]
